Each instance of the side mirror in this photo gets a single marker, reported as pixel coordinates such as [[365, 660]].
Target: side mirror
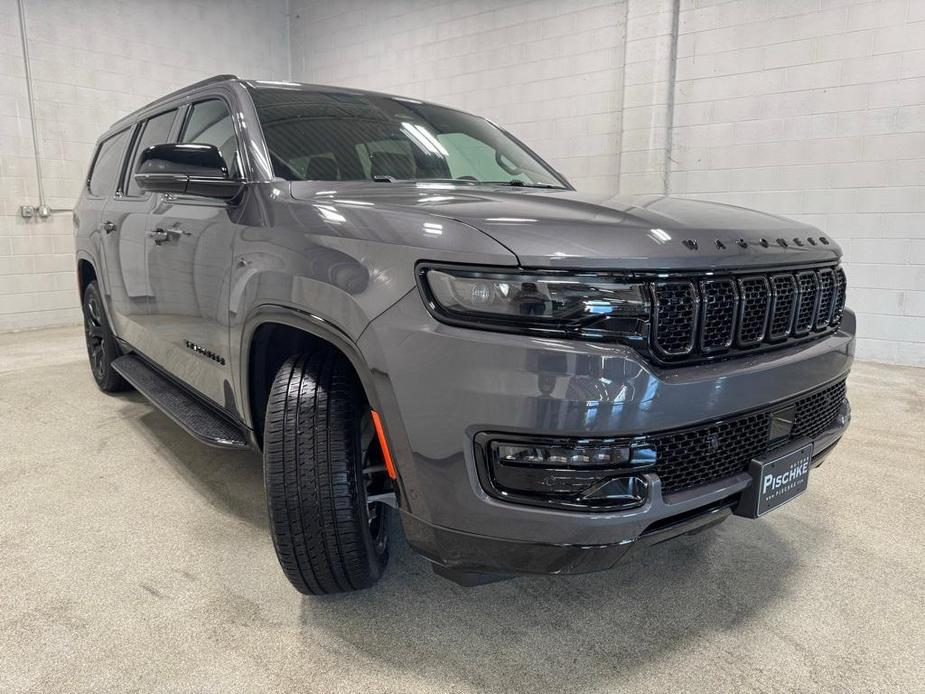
[[187, 169]]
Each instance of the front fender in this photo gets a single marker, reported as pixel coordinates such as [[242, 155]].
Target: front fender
[[377, 384]]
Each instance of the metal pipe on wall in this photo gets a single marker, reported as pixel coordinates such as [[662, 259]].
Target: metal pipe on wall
[[43, 209], [669, 110], [30, 97]]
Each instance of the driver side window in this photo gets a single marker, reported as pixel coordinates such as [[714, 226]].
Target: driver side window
[[154, 131], [209, 123]]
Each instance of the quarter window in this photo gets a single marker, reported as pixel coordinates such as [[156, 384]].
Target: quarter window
[[106, 164], [155, 131], [210, 123]]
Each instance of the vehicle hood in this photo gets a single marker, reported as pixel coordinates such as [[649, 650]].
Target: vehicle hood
[[563, 228]]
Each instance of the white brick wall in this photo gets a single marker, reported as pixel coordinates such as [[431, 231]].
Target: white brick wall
[[809, 108], [816, 110], [93, 62], [547, 70]]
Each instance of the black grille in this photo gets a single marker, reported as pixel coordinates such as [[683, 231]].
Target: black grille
[[826, 295], [676, 306], [807, 283], [693, 318], [840, 285], [694, 457], [699, 456], [755, 303], [783, 302], [718, 312]]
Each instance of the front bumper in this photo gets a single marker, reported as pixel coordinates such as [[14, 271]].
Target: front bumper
[[438, 386], [671, 516]]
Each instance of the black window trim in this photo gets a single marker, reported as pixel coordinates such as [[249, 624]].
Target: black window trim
[[184, 105]]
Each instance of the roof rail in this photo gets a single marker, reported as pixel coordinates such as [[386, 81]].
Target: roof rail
[[195, 85]]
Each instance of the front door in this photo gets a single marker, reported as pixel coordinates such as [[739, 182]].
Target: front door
[[125, 220], [189, 243], [189, 255]]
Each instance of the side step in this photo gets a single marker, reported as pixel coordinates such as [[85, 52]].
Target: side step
[[196, 418]]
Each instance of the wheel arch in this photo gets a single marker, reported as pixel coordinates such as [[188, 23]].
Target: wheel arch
[[86, 273], [89, 270], [274, 333]]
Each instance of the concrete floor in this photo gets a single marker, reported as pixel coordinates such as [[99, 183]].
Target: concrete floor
[[134, 558]]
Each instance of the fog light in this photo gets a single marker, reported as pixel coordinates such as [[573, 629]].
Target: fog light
[[589, 474]]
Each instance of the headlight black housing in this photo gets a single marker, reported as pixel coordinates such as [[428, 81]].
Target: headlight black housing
[[672, 318], [550, 303]]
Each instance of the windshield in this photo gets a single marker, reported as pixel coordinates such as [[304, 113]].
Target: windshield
[[340, 136]]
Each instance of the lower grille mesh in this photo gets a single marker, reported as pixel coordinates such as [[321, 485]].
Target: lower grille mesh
[[816, 413], [693, 457]]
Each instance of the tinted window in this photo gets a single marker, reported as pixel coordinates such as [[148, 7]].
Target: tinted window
[[107, 163], [342, 136], [154, 132], [210, 124]]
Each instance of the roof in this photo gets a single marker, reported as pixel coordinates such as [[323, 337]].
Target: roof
[[172, 95], [263, 84]]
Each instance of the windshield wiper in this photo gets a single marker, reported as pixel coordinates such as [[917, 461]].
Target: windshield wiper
[[381, 178], [516, 183]]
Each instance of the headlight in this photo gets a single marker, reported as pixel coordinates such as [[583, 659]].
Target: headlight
[[588, 305]]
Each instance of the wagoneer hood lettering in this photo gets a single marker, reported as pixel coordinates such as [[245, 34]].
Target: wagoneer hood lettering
[[563, 228]]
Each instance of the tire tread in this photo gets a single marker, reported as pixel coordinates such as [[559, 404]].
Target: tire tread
[[317, 514]]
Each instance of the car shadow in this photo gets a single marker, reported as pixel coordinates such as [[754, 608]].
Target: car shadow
[[565, 633], [232, 481], [542, 634]]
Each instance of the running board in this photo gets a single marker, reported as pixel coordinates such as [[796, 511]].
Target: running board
[[197, 418]]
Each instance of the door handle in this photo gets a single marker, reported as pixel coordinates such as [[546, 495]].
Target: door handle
[[159, 236], [109, 227]]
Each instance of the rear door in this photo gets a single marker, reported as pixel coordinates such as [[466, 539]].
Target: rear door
[[189, 256], [102, 186]]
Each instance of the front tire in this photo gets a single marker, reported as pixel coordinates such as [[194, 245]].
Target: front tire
[[320, 457], [101, 343]]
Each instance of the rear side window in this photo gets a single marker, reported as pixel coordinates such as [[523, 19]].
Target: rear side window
[[209, 123], [155, 131], [106, 164]]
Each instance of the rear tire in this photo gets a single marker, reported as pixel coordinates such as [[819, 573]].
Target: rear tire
[[101, 343], [318, 439]]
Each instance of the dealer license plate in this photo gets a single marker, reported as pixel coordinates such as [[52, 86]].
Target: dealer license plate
[[776, 480]]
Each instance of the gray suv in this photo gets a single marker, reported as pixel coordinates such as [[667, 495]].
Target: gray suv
[[412, 315]]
